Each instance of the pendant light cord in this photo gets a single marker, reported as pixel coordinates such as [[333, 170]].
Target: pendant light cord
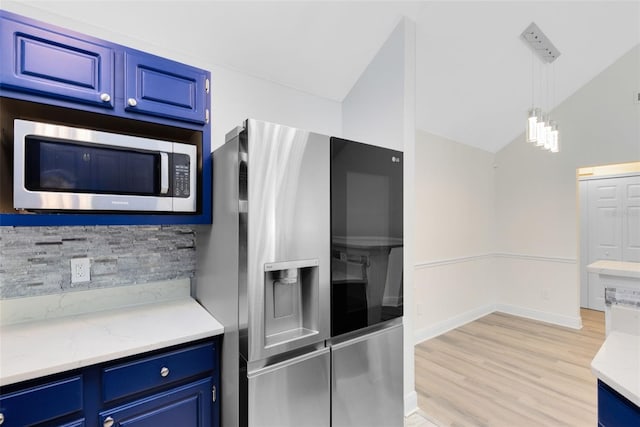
[[533, 75]]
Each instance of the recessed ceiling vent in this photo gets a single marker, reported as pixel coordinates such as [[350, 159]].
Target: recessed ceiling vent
[[540, 43]]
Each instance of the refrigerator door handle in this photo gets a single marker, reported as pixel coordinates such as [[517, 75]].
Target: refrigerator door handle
[[366, 336], [271, 266], [288, 362]]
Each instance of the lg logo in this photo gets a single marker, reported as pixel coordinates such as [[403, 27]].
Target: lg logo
[[395, 159]]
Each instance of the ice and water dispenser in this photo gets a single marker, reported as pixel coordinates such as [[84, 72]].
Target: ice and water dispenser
[[291, 301]]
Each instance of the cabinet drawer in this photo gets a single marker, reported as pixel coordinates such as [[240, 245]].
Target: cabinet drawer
[[51, 64], [137, 376], [42, 403], [165, 88]]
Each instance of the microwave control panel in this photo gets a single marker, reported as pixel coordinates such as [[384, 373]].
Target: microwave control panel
[[181, 175]]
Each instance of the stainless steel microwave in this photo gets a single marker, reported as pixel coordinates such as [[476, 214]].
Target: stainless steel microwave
[[68, 168]]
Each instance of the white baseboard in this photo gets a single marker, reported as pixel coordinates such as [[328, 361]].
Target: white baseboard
[[452, 323], [543, 316], [410, 403], [471, 315]]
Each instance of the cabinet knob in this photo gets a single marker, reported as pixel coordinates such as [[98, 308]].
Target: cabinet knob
[[164, 371], [1, 418], [108, 422], [132, 102], [105, 97]]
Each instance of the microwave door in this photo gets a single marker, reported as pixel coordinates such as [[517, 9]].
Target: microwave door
[[58, 166]]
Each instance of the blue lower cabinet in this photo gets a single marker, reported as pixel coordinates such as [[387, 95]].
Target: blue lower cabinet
[[614, 410], [171, 387], [186, 406]]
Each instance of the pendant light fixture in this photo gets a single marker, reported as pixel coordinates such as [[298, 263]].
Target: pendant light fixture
[[540, 129]]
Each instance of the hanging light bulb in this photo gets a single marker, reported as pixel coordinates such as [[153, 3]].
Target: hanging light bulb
[[555, 138], [540, 129], [532, 125], [547, 135]]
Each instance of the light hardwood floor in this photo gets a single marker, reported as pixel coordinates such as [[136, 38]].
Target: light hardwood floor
[[503, 370]]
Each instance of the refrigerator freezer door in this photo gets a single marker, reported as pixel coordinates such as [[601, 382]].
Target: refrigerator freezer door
[[291, 393], [366, 381]]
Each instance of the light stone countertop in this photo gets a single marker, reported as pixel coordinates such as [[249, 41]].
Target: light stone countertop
[[615, 268], [617, 364], [34, 348]]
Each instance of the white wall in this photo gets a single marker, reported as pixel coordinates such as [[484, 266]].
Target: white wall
[[455, 231], [373, 110], [536, 193], [235, 96], [500, 231], [380, 110]]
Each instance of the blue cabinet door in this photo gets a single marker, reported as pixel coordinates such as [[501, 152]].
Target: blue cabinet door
[[48, 63], [186, 406], [614, 410], [165, 88]]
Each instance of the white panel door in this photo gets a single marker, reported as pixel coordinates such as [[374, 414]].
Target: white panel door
[[605, 231], [630, 219]]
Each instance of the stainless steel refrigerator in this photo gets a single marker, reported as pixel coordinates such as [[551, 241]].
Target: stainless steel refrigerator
[[264, 272]]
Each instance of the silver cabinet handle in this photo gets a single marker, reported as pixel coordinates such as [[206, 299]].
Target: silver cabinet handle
[[105, 97], [164, 371], [1, 418], [108, 422], [132, 102]]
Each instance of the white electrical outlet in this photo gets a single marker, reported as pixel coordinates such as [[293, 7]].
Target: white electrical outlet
[[80, 270]]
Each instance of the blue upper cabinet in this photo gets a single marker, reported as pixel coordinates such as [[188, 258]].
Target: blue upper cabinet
[[165, 88], [52, 64]]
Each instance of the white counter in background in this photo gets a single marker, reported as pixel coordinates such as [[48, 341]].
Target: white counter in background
[[615, 268], [73, 339], [617, 364]]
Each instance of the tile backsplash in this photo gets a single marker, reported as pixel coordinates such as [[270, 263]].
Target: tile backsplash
[[36, 260]]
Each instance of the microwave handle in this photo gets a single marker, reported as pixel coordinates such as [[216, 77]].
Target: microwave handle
[[164, 173]]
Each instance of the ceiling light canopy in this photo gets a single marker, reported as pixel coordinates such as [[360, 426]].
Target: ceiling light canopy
[[540, 43]]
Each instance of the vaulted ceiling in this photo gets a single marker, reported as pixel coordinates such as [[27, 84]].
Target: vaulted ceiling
[[473, 72]]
